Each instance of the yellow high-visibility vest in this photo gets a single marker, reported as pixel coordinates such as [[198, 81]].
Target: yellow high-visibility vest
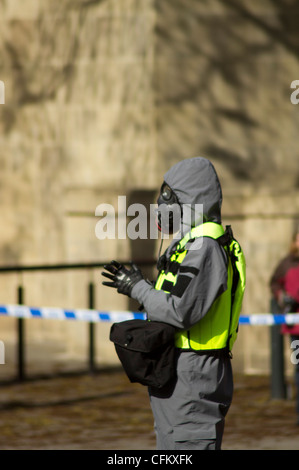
[[217, 330]]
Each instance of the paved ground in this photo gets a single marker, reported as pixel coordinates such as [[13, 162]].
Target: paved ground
[[105, 411]]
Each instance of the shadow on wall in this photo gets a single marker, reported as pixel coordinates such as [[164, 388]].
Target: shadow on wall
[[142, 248]]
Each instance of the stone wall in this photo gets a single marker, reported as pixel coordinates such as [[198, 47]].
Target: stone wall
[[77, 130], [102, 96]]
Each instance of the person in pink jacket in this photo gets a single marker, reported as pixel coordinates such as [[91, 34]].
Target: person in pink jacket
[[284, 285]]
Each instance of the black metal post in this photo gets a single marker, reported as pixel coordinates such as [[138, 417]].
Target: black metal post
[[21, 338], [91, 329], [278, 386]]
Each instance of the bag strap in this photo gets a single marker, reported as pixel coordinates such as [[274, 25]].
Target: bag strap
[[227, 240]]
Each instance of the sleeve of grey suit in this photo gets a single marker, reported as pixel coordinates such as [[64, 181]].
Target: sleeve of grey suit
[[202, 277]]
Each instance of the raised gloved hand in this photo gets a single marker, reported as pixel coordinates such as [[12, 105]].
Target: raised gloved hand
[[122, 279]]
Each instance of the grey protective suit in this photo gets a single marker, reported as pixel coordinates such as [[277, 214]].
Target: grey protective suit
[[190, 414]]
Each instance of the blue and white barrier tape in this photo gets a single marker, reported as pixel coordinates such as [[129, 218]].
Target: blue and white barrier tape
[[269, 319], [23, 311]]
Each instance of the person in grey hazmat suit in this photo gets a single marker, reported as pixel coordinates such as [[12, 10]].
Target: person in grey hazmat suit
[[193, 294]]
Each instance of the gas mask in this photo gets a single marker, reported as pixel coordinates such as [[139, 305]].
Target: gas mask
[[169, 210]]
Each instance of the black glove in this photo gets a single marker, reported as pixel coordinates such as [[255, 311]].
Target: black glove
[[122, 279]]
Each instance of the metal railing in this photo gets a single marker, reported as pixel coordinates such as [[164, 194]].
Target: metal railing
[[20, 297]]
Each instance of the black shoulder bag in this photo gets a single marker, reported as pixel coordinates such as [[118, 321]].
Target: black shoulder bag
[[146, 351]]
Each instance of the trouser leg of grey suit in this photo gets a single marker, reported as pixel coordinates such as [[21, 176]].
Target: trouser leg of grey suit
[[190, 414]]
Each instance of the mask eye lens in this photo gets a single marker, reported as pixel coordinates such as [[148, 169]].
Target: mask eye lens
[[166, 192]]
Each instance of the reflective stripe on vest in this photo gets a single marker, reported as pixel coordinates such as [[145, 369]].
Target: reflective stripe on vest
[[218, 328]]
